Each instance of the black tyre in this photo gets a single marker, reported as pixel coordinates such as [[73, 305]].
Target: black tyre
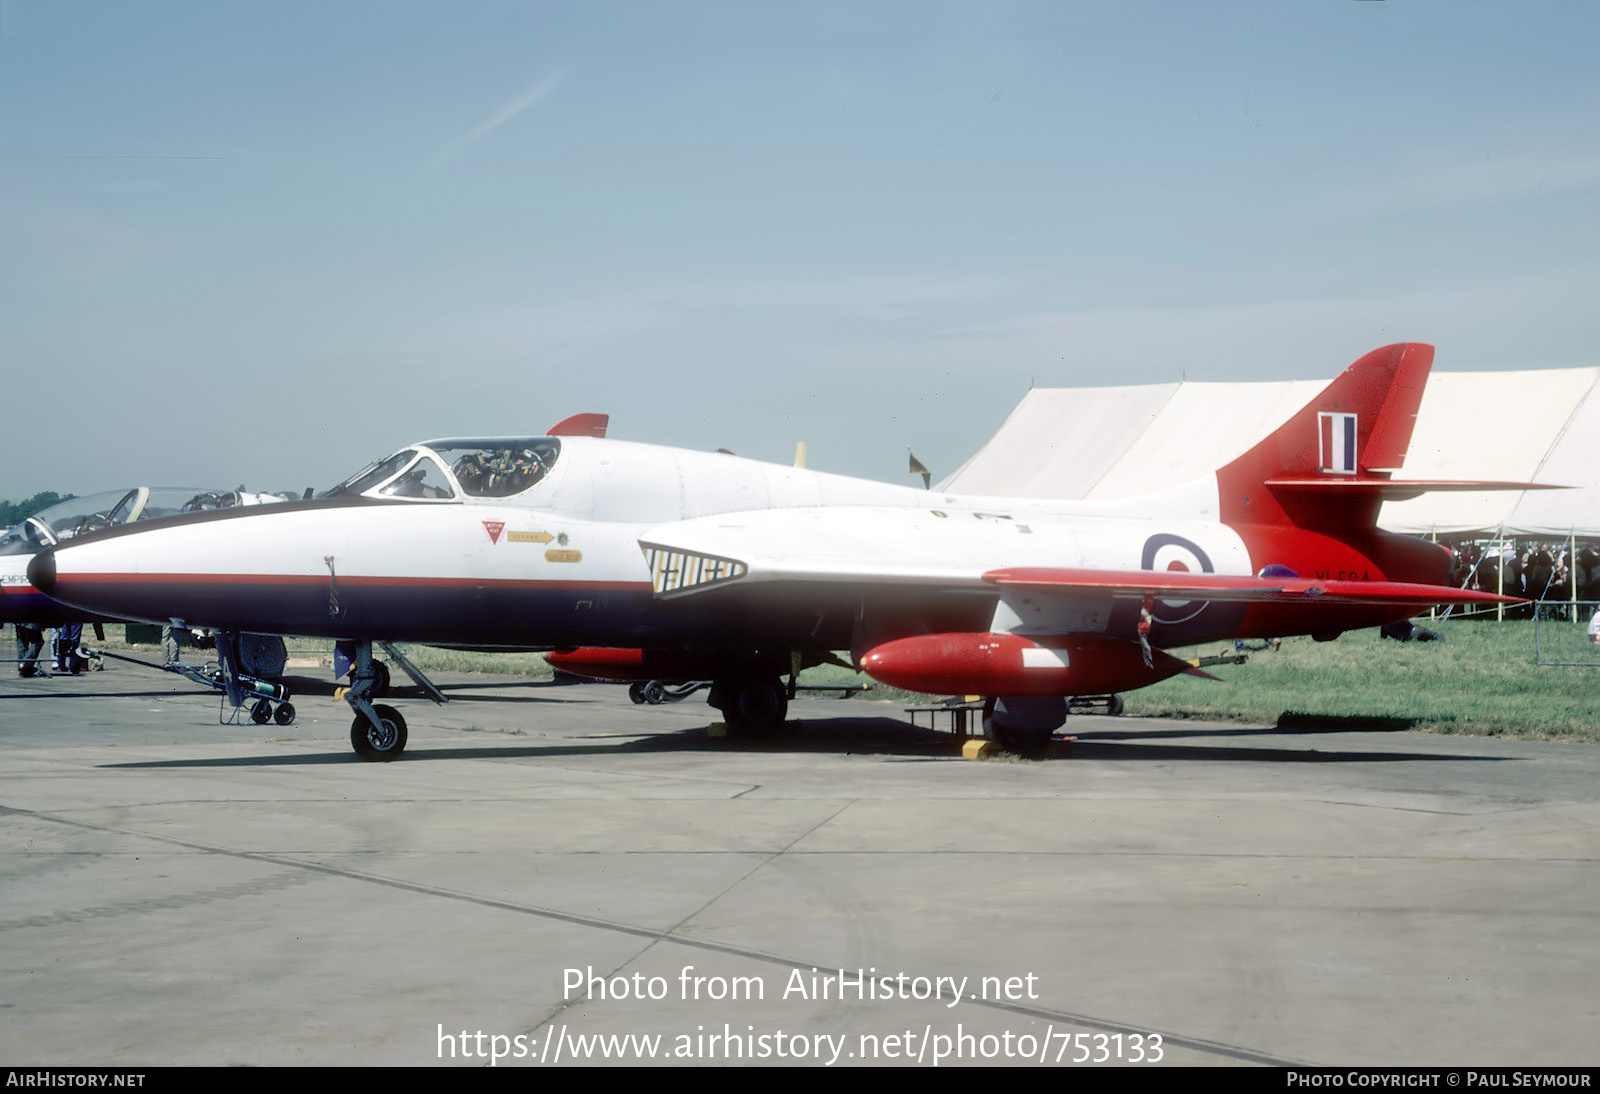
[[756, 706], [261, 713], [1031, 741], [636, 691], [654, 693], [383, 741], [284, 714], [1115, 706]]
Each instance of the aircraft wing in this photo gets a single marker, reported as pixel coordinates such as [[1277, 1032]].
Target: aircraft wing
[[822, 545], [961, 551]]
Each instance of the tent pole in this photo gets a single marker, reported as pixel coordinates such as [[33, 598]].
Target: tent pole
[[1572, 568], [1500, 574], [1433, 610]]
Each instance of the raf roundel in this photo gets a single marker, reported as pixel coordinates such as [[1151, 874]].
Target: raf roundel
[[1175, 554]]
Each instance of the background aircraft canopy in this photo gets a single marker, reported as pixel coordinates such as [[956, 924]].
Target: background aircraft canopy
[[492, 467], [75, 516]]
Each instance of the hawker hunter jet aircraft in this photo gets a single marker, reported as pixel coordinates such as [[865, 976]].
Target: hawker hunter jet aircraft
[[707, 566]]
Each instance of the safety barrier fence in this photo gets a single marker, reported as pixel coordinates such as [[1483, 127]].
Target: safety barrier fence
[[1561, 634]]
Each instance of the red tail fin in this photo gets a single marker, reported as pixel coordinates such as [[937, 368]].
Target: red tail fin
[[1355, 432]]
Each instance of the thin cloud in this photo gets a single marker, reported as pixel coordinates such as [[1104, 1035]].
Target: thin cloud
[[453, 147]]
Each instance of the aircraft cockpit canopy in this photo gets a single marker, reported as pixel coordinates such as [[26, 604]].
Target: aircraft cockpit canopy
[[409, 473], [445, 470]]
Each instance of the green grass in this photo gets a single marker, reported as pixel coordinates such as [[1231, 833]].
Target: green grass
[[1480, 680], [432, 659]]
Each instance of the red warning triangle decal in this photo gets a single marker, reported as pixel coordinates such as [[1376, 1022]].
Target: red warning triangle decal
[[494, 528]]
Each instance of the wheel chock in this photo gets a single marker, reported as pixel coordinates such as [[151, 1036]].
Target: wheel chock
[[978, 748]]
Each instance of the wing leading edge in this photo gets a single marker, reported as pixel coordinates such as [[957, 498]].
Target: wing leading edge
[[1135, 584]]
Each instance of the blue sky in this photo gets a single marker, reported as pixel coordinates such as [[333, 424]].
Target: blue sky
[[262, 243]]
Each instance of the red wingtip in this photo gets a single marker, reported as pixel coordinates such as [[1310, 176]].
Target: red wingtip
[[580, 425]]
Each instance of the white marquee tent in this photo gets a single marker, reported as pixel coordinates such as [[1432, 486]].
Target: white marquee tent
[[1109, 442]]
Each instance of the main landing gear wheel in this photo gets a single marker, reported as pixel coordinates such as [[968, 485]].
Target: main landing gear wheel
[[1027, 743], [1022, 726], [756, 705], [383, 741]]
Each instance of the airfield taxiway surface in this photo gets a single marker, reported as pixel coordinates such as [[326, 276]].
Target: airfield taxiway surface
[[173, 891]]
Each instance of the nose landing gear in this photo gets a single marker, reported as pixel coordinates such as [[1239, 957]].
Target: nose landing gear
[[378, 732]]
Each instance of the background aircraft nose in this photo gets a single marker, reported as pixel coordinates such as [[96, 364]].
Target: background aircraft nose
[[42, 572]]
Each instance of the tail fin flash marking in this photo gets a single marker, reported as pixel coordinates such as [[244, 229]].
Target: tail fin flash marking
[[1337, 433]]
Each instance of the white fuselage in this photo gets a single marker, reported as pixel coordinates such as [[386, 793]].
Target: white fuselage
[[561, 563]]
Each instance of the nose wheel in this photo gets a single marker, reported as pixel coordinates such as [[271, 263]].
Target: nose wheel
[[380, 739], [378, 732]]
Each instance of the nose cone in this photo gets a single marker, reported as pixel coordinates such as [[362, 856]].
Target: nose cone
[[42, 572], [73, 578]]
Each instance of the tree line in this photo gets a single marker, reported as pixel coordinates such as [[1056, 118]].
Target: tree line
[[14, 512]]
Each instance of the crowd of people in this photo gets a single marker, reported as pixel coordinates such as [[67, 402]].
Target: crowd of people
[[67, 653], [1531, 569]]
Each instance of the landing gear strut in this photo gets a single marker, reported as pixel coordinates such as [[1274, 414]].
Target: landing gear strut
[[378, 732]]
